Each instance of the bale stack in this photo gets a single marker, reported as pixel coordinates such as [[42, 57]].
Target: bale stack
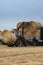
[[8, 37], [31, 29]]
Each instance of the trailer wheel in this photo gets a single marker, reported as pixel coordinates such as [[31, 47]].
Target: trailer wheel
[[35, 41], [25, 42]]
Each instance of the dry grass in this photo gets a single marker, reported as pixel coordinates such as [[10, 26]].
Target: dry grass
[[21, 55]]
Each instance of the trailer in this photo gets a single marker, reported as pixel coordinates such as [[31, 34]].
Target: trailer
[[28, 40]]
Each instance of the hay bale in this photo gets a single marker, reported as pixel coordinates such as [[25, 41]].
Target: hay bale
[[8, 37], [28, 33], [37, 33], [33, 26], [30, 28]]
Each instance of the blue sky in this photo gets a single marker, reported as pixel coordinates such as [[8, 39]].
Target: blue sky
[[14, 11]]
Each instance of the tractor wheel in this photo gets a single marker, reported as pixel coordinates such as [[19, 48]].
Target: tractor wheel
[[19, 43]]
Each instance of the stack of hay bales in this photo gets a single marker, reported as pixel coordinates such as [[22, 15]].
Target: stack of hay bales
[[8, 37], [32, 28]]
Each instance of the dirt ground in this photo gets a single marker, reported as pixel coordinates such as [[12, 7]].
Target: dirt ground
[[21, 55]]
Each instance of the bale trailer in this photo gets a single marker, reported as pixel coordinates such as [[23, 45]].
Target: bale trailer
[[23, 40]]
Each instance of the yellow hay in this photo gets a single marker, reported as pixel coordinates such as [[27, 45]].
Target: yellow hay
[[8, 37], [30, 29]]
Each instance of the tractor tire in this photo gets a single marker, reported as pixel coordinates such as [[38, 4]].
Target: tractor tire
[[19, 43]]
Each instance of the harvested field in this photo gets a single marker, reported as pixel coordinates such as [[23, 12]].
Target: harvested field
[[21, 55]]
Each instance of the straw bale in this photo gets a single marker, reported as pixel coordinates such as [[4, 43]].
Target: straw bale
[[8, 37], [37, 33]]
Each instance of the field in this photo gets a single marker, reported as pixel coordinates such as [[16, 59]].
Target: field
[[21, 55]]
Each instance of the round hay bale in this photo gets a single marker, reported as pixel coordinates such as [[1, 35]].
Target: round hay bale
[[37, 33], [28, 33], [33, 26], [8, 37]]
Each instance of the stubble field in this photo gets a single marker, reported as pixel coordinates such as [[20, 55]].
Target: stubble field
[[21, 55]]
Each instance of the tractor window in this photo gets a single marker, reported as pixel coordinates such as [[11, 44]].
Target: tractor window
[[19, 33]]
